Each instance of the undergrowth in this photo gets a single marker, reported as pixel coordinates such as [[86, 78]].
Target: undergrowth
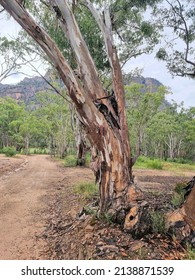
[[70, 161], [179, 165], [147, 163], [86, 189], [158, 222], [9, 151], [178, 195]]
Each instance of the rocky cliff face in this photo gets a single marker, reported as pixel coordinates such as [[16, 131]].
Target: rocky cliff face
[[24, 90], [27, 89], [151, 83]]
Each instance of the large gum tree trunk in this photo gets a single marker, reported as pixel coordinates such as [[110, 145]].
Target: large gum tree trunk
[[189, 208], [181, 222], [106, 130]]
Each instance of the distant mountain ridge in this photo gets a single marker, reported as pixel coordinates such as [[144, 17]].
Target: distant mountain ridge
[[151, 83], [27, 89]]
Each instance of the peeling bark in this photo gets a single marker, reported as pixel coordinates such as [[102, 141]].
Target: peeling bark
[[113, 161], [181, 222]]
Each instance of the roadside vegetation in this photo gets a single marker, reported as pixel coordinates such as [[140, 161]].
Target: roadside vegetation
[[169, 165]]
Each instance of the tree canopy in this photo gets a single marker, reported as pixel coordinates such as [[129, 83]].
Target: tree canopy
[[177, 20]]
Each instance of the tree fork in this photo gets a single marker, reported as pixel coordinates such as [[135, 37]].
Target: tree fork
[[118, 195]]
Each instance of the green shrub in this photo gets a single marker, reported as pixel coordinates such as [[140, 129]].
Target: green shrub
[[9, 151], [177, 200], [144, 162], [180, 160], [178, 195], [158, 222], [88, 159], [155, 164], [70, 161], [86, 189], [179, 188], [142, 159]]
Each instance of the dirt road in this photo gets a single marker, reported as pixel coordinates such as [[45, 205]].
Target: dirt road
[[23, 196]]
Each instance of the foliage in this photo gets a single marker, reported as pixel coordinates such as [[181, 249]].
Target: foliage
[[143, 103], [133, 34], [164, 132], [144, 162], [155, 164], [179, 188], [177, 19], [177, 200], [56, 122], [9, 151], [159, 129], [70, 161], [39, 125]]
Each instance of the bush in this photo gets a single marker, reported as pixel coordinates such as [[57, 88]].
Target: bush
[[70, 161], [144, 162], [9, 151], [177, 200], [155, 164], [179, 188], [142, 159]]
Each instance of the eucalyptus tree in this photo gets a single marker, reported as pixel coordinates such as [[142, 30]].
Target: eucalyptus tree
[[143, 104], [10, 111], [55, 117], [103, 115]]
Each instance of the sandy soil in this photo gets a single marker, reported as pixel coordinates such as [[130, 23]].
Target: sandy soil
[[23, 197]]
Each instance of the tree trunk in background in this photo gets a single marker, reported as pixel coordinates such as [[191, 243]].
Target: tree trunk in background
[[189, 208], [26, 148], [52, 146], [80, 139]]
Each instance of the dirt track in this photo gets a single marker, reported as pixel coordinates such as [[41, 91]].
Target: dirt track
[[23, 196]]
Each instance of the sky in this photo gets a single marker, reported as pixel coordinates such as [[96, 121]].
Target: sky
[[183, 89]]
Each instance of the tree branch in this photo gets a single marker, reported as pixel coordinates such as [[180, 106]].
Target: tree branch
[[85, 62], [185, 29]]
